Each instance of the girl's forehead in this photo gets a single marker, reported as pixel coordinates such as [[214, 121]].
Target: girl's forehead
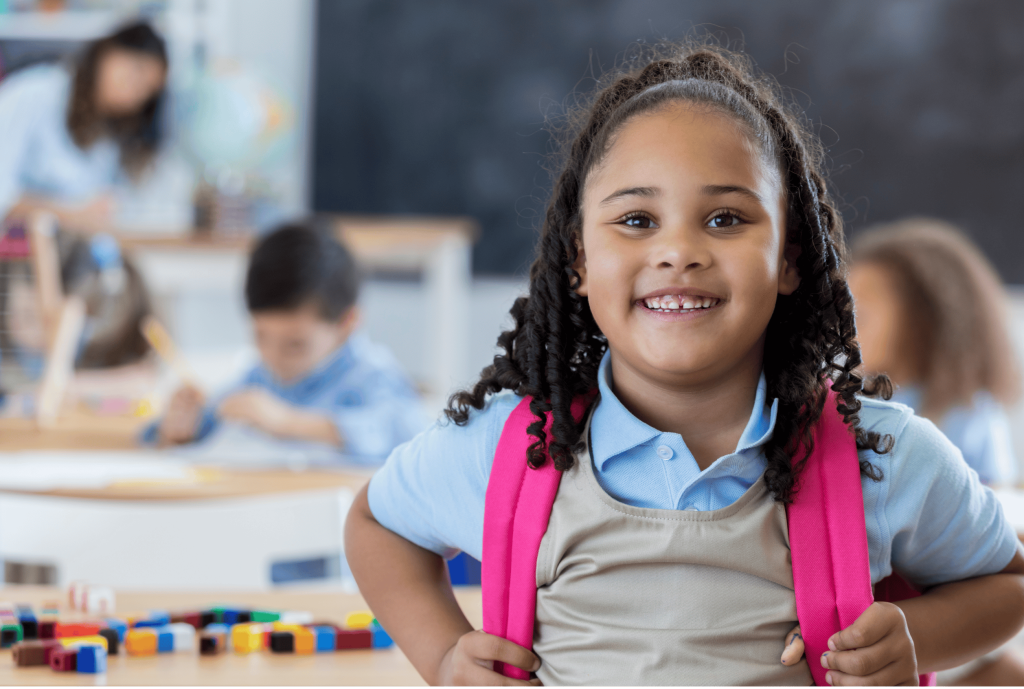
[[681, 143]]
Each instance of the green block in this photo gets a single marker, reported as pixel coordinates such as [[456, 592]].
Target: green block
[[11, 626], [264, 616]]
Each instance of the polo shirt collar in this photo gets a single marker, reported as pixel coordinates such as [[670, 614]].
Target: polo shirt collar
[[614, 430]]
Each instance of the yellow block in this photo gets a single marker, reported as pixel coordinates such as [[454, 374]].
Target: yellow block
[[97, 639], [359, 620], [305, 641], [285, 627], [140, 642], [246, 638]]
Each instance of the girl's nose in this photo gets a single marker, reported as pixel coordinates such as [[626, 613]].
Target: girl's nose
[[680, 248]]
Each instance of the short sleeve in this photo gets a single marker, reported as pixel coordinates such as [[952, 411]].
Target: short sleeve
[[431, 490], [934, 521], [18, 118]]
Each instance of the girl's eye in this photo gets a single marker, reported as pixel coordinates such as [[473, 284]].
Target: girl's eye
[[723, 220], [638, 221]]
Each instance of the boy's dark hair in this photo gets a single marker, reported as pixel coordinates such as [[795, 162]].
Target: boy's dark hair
[[298, 265], [138, 135], [554, 350]]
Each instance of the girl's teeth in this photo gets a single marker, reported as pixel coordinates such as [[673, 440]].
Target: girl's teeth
[[671, 303]]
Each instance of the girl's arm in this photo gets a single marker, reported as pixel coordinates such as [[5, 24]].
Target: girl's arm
[[951, 624], [408, 590]]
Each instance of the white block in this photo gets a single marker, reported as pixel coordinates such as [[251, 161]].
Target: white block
[[184, 637], [77, 595], [296, 617]]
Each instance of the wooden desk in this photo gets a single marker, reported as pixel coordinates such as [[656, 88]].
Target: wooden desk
[[376, 667], [72, 432]]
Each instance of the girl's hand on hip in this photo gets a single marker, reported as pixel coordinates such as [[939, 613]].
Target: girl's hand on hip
[[471, 661], [875, 650]]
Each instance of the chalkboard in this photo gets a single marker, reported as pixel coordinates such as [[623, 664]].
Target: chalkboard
[[439, 106]]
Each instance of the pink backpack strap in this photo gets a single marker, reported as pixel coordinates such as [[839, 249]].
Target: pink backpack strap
[[828, 539], [517, 509]]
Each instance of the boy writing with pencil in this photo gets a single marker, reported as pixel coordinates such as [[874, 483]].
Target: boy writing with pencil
[[318, 379]]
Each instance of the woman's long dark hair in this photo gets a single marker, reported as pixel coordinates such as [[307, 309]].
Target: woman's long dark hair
[[137, 135], [553, 351]]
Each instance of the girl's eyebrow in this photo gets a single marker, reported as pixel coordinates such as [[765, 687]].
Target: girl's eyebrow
[[722, 189], [631, 191]]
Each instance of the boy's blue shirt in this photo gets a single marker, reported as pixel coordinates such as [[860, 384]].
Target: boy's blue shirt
[[361, 386], [929, 518]]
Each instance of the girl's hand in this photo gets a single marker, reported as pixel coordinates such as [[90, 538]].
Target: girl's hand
[[471, 661], [259, 408], [794, 649], [182, 416], [875, 650]]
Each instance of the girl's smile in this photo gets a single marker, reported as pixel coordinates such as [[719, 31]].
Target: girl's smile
[[679, 303]]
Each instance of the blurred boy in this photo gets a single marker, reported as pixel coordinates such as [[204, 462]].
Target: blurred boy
[[318, 380]]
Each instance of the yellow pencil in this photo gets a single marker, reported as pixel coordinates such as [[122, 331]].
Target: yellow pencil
[[160, 340]]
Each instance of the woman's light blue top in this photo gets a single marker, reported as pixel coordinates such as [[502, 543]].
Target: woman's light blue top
[[361, 387], [930, 517], [37, 154], [981, 431]]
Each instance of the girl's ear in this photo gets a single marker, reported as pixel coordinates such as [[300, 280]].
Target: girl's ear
[[580, 266], [789, 276]]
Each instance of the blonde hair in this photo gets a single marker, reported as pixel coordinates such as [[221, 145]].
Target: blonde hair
[[954, 334]]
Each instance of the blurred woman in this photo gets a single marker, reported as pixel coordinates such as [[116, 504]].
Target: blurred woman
[[931, 313], [69, 134]]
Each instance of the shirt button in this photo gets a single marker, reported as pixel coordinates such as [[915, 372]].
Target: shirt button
[[665, 452]]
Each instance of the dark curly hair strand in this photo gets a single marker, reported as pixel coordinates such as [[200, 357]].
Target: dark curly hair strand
[[553, 351]]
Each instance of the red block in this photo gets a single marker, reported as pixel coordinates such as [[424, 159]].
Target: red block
[[29, 653], [63, 631], [64, 660], [354, 638], [194, 618]]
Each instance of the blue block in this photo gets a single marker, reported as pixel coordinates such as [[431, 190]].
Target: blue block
[[230, 616], [151, 623], [218, 627], [92, 659], [164, 640], [119, 626], [326, 638], [381, 639]]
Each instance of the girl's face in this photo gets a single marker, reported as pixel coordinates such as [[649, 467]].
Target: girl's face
[[684, 250]]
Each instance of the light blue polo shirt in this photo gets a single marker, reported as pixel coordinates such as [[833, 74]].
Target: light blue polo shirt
[[930, 517]]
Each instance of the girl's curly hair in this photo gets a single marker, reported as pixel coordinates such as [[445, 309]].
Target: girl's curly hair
[[553, 351]]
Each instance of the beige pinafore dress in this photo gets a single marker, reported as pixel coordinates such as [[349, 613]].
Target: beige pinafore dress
[[631, 596]]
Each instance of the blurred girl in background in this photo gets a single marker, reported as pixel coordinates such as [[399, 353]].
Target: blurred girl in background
[[931, 314]]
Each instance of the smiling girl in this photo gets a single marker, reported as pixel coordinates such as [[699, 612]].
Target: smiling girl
[[690, 272]]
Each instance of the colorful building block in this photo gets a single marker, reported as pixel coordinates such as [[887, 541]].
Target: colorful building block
[[119, 626], [164, 639], [62, 631], [263, 616], [64, 659], [359, 620], [29, 624], [193, 618], [184, 636], [47, 629], [206, 618], [212, 642], [232, 616], [381, 639], [305, 641], [326, 637], [92, 659], [140, 642], [32, 653], [354, 638], [69, 641], [113, 640], [282, 642], [247, 637], [10, 632], [296, 617]]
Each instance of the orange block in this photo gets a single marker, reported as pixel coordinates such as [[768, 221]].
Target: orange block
[[140, 642], [305, 641]]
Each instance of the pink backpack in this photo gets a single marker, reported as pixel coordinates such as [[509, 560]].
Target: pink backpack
[[828, 538]]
